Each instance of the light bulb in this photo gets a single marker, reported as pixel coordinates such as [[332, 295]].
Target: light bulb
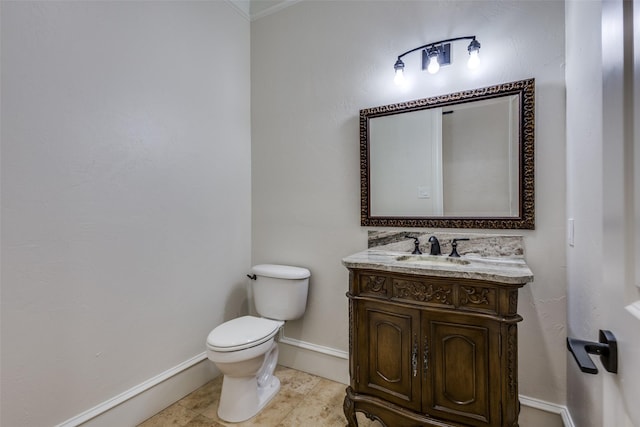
[[474, 50], [398, 79], [434, 65], [474, 60]]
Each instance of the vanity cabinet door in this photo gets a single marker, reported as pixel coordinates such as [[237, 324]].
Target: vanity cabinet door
[[462, 368], [388, 360]]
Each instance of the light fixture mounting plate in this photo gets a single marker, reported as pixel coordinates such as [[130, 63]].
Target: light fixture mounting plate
[[444, 55]]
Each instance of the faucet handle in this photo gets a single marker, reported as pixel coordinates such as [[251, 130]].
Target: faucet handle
[[416, 242], [454, 248]]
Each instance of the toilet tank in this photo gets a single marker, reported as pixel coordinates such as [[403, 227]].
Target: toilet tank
[[280, 291]]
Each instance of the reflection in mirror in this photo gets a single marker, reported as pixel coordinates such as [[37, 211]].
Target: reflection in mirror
[[460, 160]]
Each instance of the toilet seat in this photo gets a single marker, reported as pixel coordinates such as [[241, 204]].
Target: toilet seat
[[242, 333]]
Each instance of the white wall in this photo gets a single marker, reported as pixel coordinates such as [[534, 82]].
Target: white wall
[[405, 152], [603, 186], [316, 64], [125, 195], [584, 199], [480, 169]]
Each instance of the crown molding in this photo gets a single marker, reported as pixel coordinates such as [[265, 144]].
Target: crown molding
[[282, 4], [242, 7]]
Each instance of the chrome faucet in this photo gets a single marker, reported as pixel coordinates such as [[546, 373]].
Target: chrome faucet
[[435, 246]]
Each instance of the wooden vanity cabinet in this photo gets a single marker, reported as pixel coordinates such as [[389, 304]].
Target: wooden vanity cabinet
[[432, 351]]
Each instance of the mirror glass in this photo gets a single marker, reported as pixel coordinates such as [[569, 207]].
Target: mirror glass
[[462, 160]]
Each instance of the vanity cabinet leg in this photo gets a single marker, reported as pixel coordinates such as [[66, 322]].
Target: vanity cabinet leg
[[349, 410]]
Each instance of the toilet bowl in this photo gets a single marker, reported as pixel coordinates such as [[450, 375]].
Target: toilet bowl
[[244, 349]]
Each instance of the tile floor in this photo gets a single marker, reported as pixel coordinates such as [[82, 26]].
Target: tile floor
[[303, 400]]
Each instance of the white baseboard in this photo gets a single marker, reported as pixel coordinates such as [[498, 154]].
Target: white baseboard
[[549, 407], [566, 418], [325, 362], [148, 398], [340, 354]]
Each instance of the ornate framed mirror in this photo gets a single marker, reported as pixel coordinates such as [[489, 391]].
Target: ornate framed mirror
[[462, 160]]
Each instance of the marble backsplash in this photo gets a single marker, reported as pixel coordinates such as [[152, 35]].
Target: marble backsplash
[[485, 245]]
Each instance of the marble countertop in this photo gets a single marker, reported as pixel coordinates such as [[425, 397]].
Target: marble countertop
[[507, 270]]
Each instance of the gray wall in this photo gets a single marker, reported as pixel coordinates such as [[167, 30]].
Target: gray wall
[[315, 64], [125, 195]]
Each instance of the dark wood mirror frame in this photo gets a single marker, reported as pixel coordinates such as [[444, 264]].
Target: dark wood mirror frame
[[526, 217]]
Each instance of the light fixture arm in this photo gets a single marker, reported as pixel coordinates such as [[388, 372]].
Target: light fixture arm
[[434, 44]]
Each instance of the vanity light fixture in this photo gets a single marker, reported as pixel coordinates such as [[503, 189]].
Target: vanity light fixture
[[436, 54]]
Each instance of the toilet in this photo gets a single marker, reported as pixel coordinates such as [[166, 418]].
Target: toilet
[[244, 349]]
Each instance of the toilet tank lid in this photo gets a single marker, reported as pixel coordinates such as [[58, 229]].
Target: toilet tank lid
[[280, 271]]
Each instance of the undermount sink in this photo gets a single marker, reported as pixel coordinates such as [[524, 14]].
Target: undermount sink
[[432, 259]]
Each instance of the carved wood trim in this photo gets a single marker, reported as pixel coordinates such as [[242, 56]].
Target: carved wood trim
[[418, 291], [351, 335], [473, 295], [373, 284], [512, 362], [513, 301]]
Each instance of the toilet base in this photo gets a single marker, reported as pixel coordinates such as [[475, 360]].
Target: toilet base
[[242, 398], [247, 399]]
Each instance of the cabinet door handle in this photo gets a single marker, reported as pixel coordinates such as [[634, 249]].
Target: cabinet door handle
[[414, 356], [425, 360]]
